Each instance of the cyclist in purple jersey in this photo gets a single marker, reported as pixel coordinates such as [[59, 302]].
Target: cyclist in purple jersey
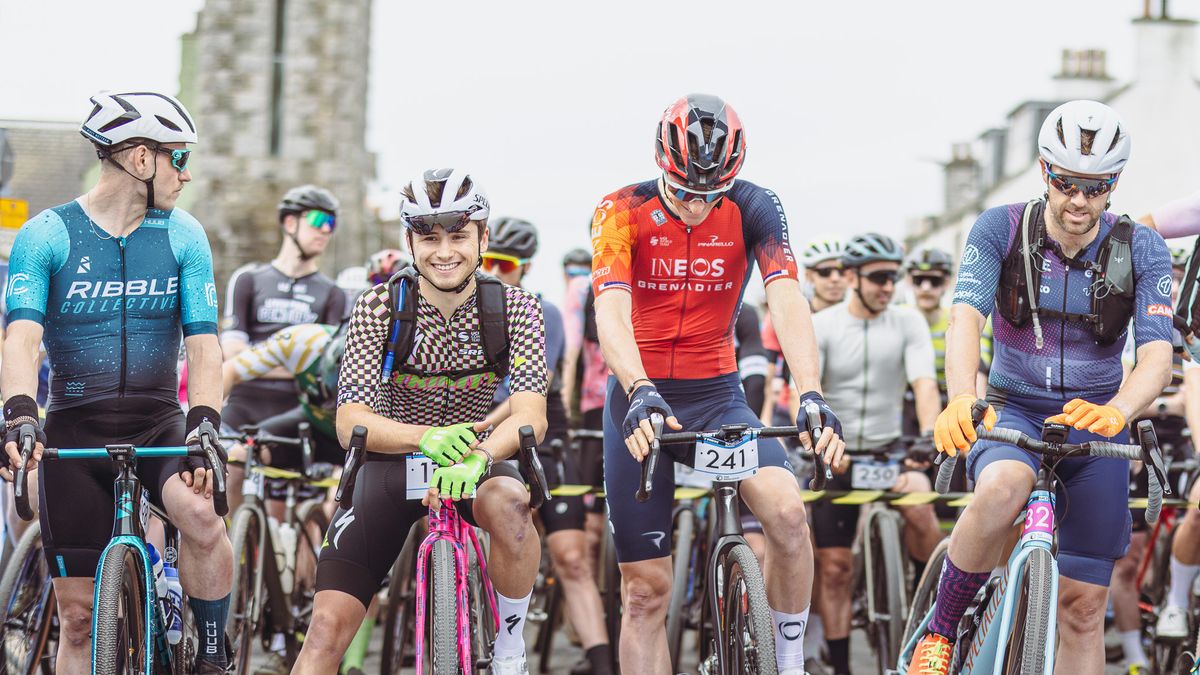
[[1065, 279]]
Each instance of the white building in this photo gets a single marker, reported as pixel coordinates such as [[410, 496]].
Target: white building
[[1160, 106]]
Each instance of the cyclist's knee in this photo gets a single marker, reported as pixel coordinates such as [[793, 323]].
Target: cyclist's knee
[[75, 619], [328, 632], [1003, 489], [914, 481], [196, 520], [835, 566], [571, 563], [645, 592], [785, 524], [504, 511], [1081, 613]]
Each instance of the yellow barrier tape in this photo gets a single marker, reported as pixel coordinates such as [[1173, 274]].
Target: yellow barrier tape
[[286, 474], [571, 490], [916, 499], [859, 497], [690, 493]]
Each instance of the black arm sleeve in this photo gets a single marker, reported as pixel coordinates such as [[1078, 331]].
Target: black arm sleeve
[[239, 300]]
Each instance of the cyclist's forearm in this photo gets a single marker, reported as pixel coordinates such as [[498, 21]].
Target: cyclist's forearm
[[204, 371], [792, 319], [386, 435], [614, 322], [962, 349], [928, 402], [1147, 379], [18, 373], [525, 408]]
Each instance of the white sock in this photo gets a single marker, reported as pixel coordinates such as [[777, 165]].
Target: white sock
[[1131, 643], [789, 638], [1182, 577], [510, 639], [814, 635]]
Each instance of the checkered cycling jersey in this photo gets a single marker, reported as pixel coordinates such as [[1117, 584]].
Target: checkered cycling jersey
[[440, 346]]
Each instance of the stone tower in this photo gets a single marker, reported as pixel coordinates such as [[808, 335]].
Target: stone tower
[[279, 90]]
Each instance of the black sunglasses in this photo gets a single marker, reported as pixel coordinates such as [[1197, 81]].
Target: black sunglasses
[[179, 158], [826, 272], [882, 277], [934, 280]]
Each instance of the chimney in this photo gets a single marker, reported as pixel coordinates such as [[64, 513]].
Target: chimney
[[962, 179], [1083, 75], [1165, 51]]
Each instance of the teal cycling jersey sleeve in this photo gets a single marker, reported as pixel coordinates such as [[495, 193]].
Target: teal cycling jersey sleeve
[[197, 288], [39, 252]]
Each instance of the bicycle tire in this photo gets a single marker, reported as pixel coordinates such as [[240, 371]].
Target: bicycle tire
[[926, 591], [310, 536], [685, 532], [26, 588], [743, 577], [398, 626], [242, 624], [120, 639], [1031, 621], [887, 570], [442, 616]]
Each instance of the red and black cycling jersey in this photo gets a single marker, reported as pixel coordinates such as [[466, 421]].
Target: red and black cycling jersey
[[687, 282]]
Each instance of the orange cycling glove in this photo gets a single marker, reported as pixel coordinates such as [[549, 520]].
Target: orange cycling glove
[[954, 429], [1098, 419]]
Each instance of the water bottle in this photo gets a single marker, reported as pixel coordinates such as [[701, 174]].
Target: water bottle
[[287, 542], [156, 563], [175, 605]]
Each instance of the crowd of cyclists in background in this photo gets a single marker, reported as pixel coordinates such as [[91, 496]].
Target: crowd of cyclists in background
[[438, 360]]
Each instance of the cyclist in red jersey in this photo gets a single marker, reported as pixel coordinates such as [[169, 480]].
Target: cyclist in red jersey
[[671, 260]]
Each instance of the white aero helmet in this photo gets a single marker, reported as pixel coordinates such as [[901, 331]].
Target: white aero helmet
[[821, 249], [118, 117], [461, 200], [1085, 137]]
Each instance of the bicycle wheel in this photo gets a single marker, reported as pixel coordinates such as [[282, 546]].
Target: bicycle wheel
[[309, 537], [27, 606], [1031, 621], [244, 606], [746, 629], [121, 640], [398, 626], [441, 656], [886, 570], [685, 532], [926, 592]]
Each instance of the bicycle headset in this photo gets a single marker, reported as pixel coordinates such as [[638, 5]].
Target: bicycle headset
[[1113, 292], [490, 297]]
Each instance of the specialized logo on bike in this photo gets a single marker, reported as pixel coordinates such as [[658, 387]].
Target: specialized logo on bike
[[1039, 519], [874, 475], [732, 462], [418, 470]]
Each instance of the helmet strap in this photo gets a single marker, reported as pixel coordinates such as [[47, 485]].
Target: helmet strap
[[148, 182]]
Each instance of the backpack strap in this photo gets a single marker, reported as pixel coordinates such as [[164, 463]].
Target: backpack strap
[[491, 298], [402, 288], [1188, 298]]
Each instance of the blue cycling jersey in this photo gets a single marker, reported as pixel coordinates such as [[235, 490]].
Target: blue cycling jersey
[[1071, 364], [112, 307]]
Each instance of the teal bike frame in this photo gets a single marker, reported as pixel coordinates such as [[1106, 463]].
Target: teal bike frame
[[128, 524]]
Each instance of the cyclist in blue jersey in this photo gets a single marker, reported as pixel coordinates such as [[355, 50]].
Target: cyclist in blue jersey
[[111, 281], [1065, 278]]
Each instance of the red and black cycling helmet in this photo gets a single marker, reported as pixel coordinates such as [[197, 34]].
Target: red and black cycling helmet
[[700, 143], [385, 263]]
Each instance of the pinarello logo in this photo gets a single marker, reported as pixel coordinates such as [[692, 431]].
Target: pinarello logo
[[713, 240]]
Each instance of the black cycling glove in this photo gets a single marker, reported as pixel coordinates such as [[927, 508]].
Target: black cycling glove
[[202, 418], [644, 401], [828, 419]]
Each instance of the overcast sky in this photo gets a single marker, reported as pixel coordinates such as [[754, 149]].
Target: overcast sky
[[848, 106]]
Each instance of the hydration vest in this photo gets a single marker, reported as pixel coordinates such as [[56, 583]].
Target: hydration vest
[[1187, 309], [490, 297], [1112, 278]]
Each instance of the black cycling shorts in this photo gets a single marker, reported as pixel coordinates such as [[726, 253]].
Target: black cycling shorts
[[560, 513], [254, 401], [834, 525], [287, 425], [76, 496], [363, 541], [591, 457]]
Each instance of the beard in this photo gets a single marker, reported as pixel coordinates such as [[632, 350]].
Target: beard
[[1071, 228]]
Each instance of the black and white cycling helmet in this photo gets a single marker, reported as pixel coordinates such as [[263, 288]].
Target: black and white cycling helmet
[[516, 237], [869, 248], [308, 198], [456, 201], [1085, 137], [820, 250], [577, 256], [930, 260], [117, 117]]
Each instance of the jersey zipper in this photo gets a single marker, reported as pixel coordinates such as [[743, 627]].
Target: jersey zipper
[[124, 347], [687, 277]]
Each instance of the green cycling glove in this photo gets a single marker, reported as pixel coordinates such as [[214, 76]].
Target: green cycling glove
[[459, 481], [447, 445]]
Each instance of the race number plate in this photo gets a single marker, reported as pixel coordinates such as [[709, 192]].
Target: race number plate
[[419, 471], [869, 475], [686, 476], [718, 461]]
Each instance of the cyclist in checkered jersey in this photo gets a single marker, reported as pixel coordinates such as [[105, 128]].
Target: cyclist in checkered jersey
[[433, 402]]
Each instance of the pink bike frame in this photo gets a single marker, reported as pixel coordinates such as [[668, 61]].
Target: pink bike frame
[[446, 525]]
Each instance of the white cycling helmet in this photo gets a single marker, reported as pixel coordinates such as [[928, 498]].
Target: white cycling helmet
[[820, 250], [1085, 137], [118, 117], [461, 200]]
